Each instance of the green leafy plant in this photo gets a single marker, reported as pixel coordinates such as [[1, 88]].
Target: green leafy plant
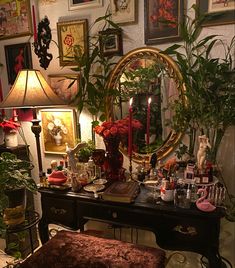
[[14, 174], [86, 152], [209, 82], [93, 71]]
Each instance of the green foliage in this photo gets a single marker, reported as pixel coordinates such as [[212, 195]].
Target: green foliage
[[209, 82], [86, 152], [94, 70], [14, 174]]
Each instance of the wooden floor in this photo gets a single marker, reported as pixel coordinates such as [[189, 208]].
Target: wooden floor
[[227, 243]]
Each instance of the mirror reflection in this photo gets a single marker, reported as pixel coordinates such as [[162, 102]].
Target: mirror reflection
[[153, 81]]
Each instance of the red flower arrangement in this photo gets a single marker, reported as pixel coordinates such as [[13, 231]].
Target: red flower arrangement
[[9, 125], [118, 128]]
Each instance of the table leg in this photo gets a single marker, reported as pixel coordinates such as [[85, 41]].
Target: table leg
[[43, 231]]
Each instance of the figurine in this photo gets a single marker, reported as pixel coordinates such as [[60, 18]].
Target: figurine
[[201, 154], [72, 161], [202, 203]]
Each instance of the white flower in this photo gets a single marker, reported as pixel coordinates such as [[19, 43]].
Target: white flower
[[58, 122], [50, 126], [64, 129]]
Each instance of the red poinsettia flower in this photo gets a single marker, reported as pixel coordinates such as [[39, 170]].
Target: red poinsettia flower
[[9, 125]]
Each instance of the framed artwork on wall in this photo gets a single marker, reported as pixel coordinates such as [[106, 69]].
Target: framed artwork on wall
[[110, 42], [72, 40], [64, 85], [58, 128], [15, 18], [124, 12], [161, 20], [223, 11], [18, 57], [77, 4]]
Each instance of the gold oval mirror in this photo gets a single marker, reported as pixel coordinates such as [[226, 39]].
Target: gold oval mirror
[[154, 82]]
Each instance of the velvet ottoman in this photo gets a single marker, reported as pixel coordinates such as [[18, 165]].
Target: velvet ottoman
[[71, 249]]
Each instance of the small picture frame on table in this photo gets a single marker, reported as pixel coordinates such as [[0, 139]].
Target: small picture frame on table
[[58, 128], [110, 41], [223, 11], [72, 37], [124, 12], [18, 57]]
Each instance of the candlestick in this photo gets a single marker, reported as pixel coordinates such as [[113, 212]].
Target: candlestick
[[148, 121], [130, 128], [34, 25]]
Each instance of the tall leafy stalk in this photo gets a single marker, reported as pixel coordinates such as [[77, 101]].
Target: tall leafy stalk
[[209, 82], [93, 71]]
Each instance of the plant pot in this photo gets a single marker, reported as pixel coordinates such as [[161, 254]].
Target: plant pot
[[10, 139], [14, 214]]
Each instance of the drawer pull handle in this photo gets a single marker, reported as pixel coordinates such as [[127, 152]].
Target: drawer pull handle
[[114, 215], [186, 231], [58, 211]]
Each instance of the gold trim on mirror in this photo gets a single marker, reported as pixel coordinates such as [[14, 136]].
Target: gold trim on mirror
[[172, 70]]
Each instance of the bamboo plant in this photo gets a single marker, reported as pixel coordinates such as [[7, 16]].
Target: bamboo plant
[[209, 81]]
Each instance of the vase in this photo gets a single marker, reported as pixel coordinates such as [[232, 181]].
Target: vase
[[113, 160], [58, 139], [11, 139]]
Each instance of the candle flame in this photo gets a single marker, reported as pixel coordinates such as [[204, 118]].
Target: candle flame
[[149, 100], [131, 101]]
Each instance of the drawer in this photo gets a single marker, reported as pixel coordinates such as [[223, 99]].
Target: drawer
[[191, 233], [61, 211], [115, 214]]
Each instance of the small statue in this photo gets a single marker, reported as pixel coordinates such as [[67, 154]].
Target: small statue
[[72, 161], [201, 154]]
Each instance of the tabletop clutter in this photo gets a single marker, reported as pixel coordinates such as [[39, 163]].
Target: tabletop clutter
[[181, 183]]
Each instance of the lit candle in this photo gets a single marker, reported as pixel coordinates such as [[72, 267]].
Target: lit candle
[[130, 128], [34, 25], [148, 121]]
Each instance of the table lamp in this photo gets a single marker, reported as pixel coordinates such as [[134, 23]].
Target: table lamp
[[30, 90]]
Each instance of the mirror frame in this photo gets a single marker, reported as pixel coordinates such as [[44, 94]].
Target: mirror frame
[[148, 53]]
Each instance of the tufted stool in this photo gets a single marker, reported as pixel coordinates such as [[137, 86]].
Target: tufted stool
[[77, 250]]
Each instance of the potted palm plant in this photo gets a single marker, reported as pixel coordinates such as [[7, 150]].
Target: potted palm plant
[[209, 82], [14, 181]]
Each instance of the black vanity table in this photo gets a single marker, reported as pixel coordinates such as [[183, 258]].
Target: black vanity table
[[174, 228]]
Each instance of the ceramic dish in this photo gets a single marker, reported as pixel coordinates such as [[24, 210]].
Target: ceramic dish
[[94, 187], [100, 181]]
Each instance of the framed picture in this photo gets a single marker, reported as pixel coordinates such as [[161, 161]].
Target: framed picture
[[161, 20], [110, 42], [72, 37], [58, 128], [64, 85], [77, 4], [15, 18], [223, 10], [17, 57], [124, 12]]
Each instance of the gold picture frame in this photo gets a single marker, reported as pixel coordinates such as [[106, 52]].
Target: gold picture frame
[[71, 35], [16, 18], [58, 128], [64, 85], [124, 13], [77, 4]]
